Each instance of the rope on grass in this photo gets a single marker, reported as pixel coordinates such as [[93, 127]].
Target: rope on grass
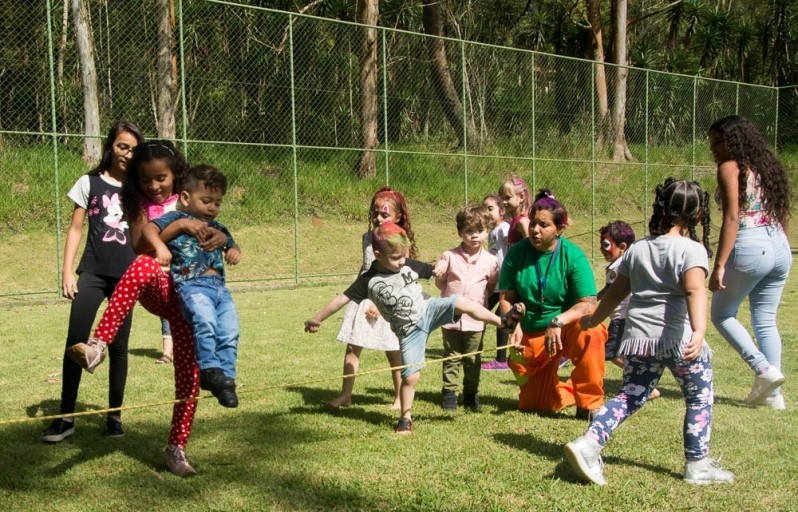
[[243, 391]]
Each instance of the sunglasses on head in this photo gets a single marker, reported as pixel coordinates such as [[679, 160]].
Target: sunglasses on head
[[606, 244]]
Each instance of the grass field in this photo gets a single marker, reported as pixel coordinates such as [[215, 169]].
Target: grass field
[[283, 450]]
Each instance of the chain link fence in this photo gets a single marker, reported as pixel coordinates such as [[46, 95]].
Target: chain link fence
[[275, 100]]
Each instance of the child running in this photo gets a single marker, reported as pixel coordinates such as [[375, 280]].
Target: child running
[[154, 174], [517, 201], [665, 327], [199, 279], [363, 326], [107, 254], [392, 284], [470, 271], [497, 245]]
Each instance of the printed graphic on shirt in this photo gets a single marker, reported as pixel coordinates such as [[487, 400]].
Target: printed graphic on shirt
[[114, 227]]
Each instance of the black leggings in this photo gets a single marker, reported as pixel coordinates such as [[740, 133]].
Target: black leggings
[[92, 290], [502, 335]]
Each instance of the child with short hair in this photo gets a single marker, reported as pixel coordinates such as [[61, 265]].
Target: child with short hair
[[665, 328], [470, 271], [615, 238], [392, 284], [200, 280]]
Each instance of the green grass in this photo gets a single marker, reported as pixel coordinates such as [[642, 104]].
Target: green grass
[[282, 450]]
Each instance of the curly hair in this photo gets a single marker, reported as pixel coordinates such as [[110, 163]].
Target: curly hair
[[681, 201], [746, 146], [132, 195], [401, 208]]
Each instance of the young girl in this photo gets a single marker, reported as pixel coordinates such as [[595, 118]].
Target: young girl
[[107, 254], [753, 257], [665, 327], [497, 245], [517, 201], [155, 174], [362, 325]]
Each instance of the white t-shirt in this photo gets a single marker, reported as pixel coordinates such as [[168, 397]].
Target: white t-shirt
[[610, 275], [497, 241]]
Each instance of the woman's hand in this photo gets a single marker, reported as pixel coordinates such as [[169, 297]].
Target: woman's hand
[[516, 337], [693, 348], [69, 286], [716, 279], [553, 338]]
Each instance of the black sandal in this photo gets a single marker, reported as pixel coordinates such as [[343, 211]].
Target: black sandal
[[512, 317]]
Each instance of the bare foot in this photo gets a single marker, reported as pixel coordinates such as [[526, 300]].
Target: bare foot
[[339, 401], [396, 406], [654, 395]]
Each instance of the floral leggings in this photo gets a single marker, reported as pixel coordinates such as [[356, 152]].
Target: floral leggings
[[144, 280], [640, 377]]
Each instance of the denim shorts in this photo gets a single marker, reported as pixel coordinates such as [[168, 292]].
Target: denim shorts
[[439, 311]]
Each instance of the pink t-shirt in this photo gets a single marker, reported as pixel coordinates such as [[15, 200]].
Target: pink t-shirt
[[156, 211], [474, 277]]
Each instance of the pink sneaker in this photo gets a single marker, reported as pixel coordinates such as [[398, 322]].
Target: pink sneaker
[[495, 366]]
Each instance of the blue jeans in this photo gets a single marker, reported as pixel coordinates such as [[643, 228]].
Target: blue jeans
[[640, 377], [209, 309], [757, 268]]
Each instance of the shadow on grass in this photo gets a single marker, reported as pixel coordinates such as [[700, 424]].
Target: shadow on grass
[[149, 353]]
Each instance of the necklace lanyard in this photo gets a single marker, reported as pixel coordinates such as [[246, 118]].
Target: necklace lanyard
[[542, 279]]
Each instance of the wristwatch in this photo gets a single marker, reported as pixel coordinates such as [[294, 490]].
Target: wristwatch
[[556, 322]]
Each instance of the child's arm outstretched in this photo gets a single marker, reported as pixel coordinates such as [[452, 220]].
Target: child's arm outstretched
[[312, 325], [150, 234], [696, 295], [610, 299]]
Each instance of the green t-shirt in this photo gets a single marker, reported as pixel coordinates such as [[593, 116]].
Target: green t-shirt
[[569, 279]]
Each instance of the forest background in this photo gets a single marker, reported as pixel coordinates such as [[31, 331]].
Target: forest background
[[311, 106]]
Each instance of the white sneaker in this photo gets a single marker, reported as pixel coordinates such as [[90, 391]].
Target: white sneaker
[[706, 471], [763, 385], [176, 461], [584, 454], [776, 402]]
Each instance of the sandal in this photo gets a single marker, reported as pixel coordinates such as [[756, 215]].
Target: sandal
[[404, 427], [512, 317], [164, 359]]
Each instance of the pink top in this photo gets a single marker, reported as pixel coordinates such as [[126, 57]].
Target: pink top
[[474, 277], [513, 236], [156, 211], [754, 215]]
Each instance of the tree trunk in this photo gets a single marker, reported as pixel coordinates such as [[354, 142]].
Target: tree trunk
[[369, 15], [620, 150], [442, 79], [60, 66], [597, 54], [165, 81], [92, 145]]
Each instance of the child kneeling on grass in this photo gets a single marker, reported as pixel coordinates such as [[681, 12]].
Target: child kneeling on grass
[[392, 285]]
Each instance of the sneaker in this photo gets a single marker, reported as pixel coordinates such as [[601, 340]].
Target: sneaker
[[776, 402], [113, 428], [511, 318], [706, 471], [449, 401], [88, 355], [764, 383], [214, 380], [404, 427], [586, 414], [471, 401], [491, 366], [176, 461], [58, 430], [227, 397], [584, 455]]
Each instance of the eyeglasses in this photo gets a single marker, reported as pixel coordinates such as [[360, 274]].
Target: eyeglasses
[[123, 148], [606, 244]]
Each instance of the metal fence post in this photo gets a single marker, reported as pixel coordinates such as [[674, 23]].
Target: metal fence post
[[776, 125], [181, 45], [465, 123], [385, 105], [534, 159], [593, 156], [54, 139], [645, 178], [695, 94], [293, 147]]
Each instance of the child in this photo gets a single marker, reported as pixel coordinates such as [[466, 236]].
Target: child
[[362, 325], [107, 254], [665, 327], [199, 280], [615, 238], [469, 271], [517, 201], [497, 245], [154, 174], [392, 284]]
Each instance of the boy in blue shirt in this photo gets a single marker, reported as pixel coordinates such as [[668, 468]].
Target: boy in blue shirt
[[199, 279]]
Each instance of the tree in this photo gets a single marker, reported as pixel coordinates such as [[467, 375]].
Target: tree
[[369, 15], [166, 70], [442, 79], [620, 150], [597, 54], [92, 145]]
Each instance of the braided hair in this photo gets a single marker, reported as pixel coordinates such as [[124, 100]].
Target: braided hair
[[681, 201], [746, 146]]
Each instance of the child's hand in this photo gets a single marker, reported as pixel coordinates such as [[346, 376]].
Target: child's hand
[[163, 256], [215, 239], [585, 322], [441, 266], [233, 255], [312, 326], [197, 228], [693, 348], [372, 313], [69, 286]]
